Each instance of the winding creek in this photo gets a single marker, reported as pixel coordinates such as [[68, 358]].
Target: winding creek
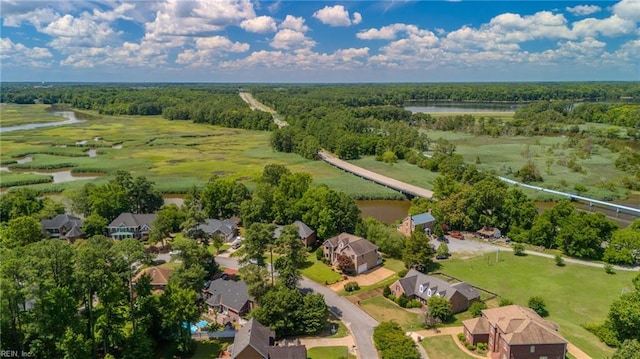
[[70, 115]]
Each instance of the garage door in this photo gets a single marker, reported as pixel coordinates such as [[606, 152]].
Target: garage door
[[362, 268]]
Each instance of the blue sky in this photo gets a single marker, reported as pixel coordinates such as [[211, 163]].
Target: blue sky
[[319, 41]]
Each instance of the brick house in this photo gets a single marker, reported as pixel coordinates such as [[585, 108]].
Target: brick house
[[159, 277], [515, 332], [363, 253], [422, 221], [419, 286]]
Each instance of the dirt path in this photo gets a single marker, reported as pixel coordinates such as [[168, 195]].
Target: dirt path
[[257, 105]]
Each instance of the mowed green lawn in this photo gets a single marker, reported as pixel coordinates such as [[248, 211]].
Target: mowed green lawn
[[574, 294], [383, 310], [174, 154], [320, 272], [336, 352], [443, 347]]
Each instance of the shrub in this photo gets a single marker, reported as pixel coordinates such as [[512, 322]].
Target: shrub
[[505, 301], [402, 273], [391, 297], [604, 333], [518, 249], [608, 268], [386, 291], [476, 308], [559, 261], [538, 305], [471, 347], [351, 286], [461, 337], [319, 254], [482, 347], [413, 303], [402, 301]]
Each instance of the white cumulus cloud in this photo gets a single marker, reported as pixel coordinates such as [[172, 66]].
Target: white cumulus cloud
[[288, 39], [583, 10], [294, 23], [628, 9], [260, 25], [337, 16]]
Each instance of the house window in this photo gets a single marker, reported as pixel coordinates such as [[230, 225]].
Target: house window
[[532, 349]]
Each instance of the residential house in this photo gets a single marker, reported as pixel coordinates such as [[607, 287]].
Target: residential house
[[489, 233], [306, 234], [422, 222], [63, 226], [229, 299], [515, 332], [419, 286], [131, 225], [226, 228], [255, 341], [159, 277], [363, 253]]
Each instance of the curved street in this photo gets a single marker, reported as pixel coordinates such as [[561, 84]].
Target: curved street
[[359, 323]]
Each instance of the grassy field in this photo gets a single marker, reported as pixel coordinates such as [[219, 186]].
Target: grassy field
[[173, 154], [507, 154], [443, 347], [15, 115], [382, 309], [320, 272], [574, 294], [337, 352]]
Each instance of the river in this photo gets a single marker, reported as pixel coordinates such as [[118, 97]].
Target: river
[[70, 115], [461, 107]]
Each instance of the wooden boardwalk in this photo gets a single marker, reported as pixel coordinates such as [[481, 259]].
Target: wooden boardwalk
[[405, 188]]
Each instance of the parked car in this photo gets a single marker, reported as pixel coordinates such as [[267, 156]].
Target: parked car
[[237, 244], [443, 239], [457, 235], [442, 256]]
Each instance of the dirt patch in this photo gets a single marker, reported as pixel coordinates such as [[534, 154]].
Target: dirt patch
[[220, 173], [364, 279]]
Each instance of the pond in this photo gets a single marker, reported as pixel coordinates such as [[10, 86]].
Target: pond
[[71, 119], [385, 211], [461, 107]]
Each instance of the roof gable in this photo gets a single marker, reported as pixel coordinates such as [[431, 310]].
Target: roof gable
[[231, 294], [255, 335], [134, 220]]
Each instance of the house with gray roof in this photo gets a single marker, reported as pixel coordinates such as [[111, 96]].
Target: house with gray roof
[[131, 225], [419, 286], [225, 228], [228, 299], [306, 234], [423, 222], [363, 253], [255, 341], [63, 226]]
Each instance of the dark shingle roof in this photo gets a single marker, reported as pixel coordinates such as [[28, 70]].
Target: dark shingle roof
[[212, 225], [303, 230], [359, 245], [255, 335], [72, 224], [288, 352], [229, 293], [134, 219], [420, 285]]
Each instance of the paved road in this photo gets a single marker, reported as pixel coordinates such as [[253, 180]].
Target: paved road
[[359, 322], [375, 177], [476, 246]]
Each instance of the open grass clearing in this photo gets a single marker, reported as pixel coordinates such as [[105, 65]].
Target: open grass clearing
[[335, 352], [443, 347], [382, 310], [574, 294], [320, 272]]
